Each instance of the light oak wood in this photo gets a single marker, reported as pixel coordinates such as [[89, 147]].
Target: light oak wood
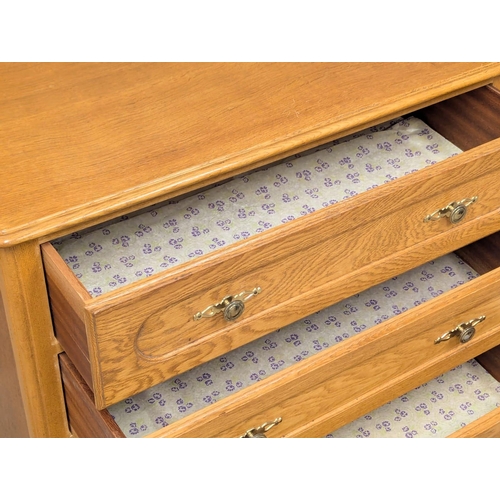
[[68, 284], [66, 296], [86, 142], [489, 250], [145, 333], [120, 329], [22, 286], [70, 331]]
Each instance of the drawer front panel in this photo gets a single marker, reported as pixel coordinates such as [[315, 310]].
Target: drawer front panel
[[146, 332], [336, 386]]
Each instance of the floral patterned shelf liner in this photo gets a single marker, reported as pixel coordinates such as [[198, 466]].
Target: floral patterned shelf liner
[[435, 409], [134, 247]]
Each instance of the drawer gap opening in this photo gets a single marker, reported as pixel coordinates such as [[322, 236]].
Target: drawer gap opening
[[428, 410], [84, 420]]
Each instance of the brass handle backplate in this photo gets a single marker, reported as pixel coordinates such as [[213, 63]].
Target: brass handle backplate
[[464, 331], [259, 432], [232, 306], [455, 211]]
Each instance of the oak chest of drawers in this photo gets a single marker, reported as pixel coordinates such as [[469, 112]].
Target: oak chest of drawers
[[90, 143]]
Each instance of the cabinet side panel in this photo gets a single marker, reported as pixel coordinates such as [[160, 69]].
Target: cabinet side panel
[[12, 417], [468, 120]]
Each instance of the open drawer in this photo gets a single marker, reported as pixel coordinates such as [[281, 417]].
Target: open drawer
[[341, 382], [129, 339]]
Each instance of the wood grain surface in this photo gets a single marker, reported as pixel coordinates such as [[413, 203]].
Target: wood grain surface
[[332, 388], [83, 142], [484, 256]]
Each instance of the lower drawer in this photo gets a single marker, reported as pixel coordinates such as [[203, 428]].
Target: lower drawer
[[343, 382]]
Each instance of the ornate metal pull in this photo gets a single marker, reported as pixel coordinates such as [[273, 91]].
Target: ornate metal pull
[[232, 306], [259, 432], [456, 211], [465, 331]]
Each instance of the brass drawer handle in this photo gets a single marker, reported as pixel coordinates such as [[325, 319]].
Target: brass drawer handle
[[456, 211], [259, 432], [465, 331], [232, 306]]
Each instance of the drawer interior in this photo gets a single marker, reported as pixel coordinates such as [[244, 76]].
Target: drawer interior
[[171, 401]]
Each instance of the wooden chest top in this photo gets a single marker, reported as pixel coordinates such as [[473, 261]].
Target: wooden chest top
[[83, 142]]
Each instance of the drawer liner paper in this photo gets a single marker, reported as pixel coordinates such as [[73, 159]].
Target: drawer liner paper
[[123, 252], [433, 410]]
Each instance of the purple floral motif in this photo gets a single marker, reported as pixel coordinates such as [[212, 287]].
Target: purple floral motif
[[433, 148], [353, 177], [96, 267], [387, 146], [305, 174]]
